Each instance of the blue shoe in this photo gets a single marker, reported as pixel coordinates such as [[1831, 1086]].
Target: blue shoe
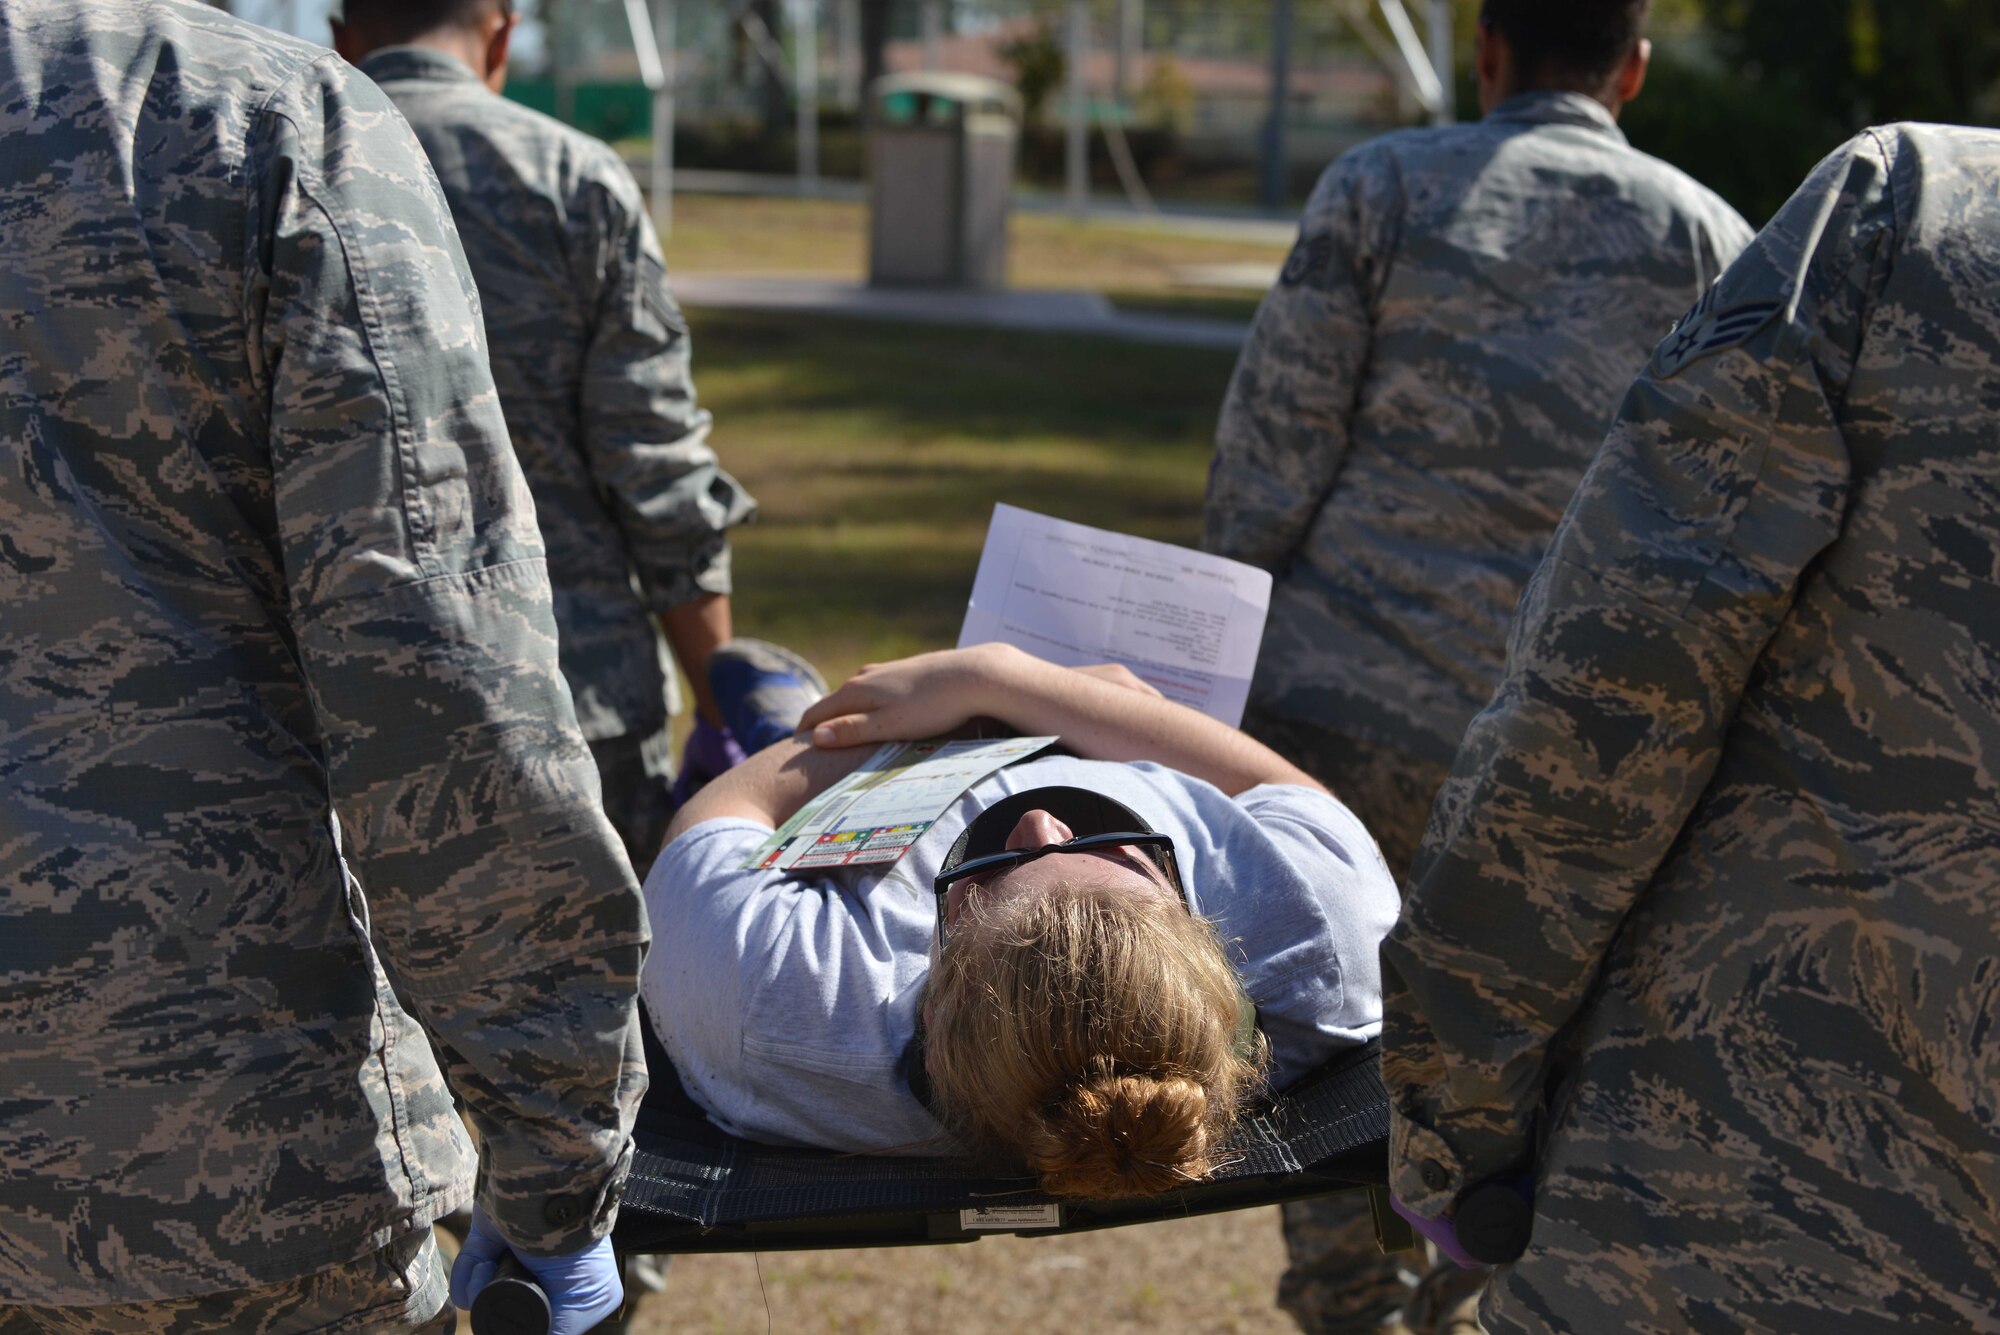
[[761, 689]]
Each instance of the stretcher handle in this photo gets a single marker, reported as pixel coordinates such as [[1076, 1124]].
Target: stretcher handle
[[511, 1303]]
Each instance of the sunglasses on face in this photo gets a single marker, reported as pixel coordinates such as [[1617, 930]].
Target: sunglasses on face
[[1157, 849]]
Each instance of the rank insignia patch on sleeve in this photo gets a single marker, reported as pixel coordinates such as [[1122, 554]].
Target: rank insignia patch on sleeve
[[1709, 328], [1308, 257]]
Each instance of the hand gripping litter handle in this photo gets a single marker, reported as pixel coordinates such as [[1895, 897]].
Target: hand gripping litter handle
[[511, 1303]]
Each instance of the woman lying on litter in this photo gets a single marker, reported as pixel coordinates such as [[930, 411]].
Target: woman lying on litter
[[1087, 966]]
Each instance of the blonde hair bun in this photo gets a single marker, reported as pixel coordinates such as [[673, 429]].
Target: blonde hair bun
[[1090, 1034], [1125, 1135]]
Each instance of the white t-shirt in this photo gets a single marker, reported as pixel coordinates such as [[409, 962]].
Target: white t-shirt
[[787, 999]]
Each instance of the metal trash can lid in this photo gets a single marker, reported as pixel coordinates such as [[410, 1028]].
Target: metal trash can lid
[[902, 99]]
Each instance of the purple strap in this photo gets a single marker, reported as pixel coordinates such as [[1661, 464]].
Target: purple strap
[[1441, 1231]]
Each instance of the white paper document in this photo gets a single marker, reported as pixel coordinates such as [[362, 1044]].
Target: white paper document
[[1187, 622]]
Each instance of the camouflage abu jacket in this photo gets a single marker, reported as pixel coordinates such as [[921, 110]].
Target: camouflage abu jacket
[[591, 358], [1422, 390], [265, 557], [1707, 926]]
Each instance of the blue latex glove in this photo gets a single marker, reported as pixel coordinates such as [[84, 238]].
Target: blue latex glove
[[708, 753], [583, 1287]]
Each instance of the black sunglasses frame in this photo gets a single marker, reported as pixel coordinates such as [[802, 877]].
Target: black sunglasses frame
[[1158, 848]]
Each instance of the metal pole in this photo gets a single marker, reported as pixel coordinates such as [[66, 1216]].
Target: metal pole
[[1076, 148], [805, 90], [554, 18], [933, 21], [1440, 35], [645, 45], [847, 50], [1276, 174], [667, 40], [1423, 77], [1129, 20]]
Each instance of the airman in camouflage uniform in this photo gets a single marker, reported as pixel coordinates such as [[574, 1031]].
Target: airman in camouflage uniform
[[591, 358], [1420, 393], [278, 691], [1705, 932]]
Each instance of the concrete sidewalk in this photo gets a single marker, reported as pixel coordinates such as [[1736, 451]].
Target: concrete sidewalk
[[1086, 313]]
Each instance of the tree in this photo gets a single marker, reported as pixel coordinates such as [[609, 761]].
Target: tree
[[1772, 86], [773, 97], [875, 16], [1039, 64], [1167, 100], [1860, 62]]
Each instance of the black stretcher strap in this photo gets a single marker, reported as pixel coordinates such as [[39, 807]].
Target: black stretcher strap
[[696, 1188]]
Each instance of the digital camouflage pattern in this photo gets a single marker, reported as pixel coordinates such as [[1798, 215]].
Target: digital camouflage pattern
[[1420, 393], [590, 355], [404, 1288], [265, 555], [1706, 926], [1418, 397], [1338, 1281]]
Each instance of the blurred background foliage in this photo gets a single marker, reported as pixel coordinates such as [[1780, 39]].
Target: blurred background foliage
[[1746, 95]]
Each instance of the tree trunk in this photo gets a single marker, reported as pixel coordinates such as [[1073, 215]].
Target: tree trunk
[[773, 102], [874, 40]]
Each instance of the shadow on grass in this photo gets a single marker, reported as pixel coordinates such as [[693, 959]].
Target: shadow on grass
[[995, 385], [843, 609], [877, 452], [941, 496], [1238, 307]]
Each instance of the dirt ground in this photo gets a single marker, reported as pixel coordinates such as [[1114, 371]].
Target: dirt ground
[[1216, 1273]]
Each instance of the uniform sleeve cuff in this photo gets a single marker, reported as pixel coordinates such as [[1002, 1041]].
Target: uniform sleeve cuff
[[716, 576], [1429, 1171], [561, 1222], [669, 585], [1425, 1173]]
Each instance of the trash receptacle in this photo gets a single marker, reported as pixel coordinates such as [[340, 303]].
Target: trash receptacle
[[941, 179]]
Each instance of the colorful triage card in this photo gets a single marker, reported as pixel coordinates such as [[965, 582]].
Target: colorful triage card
[[875, 814]]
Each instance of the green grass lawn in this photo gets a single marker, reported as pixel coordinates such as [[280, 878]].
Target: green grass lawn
[[878, 450]]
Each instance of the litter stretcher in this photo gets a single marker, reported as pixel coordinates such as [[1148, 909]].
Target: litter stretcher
[[695, 1188]]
